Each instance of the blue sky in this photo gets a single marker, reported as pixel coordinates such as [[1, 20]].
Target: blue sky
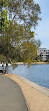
[[42, 30]]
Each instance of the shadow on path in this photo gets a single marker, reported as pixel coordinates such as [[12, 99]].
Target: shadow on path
[[11, 96]]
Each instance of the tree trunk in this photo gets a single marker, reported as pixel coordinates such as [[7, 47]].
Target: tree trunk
[[6, 65]]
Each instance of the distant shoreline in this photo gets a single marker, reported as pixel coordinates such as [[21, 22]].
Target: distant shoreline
[[22, 63], [31, 63]]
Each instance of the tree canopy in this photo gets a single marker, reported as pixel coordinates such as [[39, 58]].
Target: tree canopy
[[25, 11], [16, 19]]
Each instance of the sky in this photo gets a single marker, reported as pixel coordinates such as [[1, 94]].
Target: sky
[[42, 30]]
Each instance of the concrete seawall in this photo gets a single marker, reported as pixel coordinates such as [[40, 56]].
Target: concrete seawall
[[37, 97], [43, 90]]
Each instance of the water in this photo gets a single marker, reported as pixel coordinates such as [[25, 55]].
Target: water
[[35, 73]]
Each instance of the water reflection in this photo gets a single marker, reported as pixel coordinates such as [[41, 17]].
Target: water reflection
[[14, 66]]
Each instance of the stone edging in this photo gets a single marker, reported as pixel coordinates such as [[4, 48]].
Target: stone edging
[[43, 90]]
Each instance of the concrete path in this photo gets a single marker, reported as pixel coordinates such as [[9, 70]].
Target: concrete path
[[11, 96]]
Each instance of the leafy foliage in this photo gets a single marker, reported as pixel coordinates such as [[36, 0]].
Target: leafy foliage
[[25, 10], [17, 41]]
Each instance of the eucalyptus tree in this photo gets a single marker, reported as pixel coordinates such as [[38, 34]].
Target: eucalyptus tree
[[17, 18], [24, 11]]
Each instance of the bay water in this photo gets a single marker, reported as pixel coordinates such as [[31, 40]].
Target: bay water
[[38, 73]]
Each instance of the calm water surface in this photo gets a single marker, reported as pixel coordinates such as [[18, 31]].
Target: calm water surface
[[35, 73]]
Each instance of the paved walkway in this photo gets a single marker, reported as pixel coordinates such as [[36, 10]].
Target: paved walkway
[[11, 97]]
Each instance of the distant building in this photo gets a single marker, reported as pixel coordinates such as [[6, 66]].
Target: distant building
[[43, 53]]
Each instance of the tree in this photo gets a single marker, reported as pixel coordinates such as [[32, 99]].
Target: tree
[[16, 40], [23, 10]]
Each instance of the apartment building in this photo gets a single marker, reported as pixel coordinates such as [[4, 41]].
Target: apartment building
[[43, 53]]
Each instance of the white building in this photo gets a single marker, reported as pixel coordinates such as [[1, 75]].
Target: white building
[[43, 53]]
